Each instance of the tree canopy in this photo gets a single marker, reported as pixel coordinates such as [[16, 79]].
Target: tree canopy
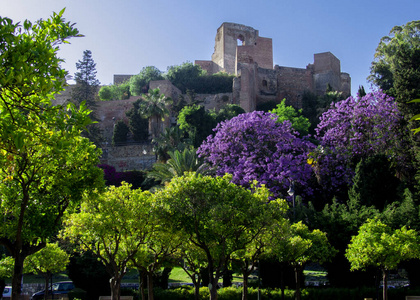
[[217, 215], [354, 129], [378, 245], [390, 55], [299, 122], [113, 226], [253, 146], [45, 165], [139, 84]]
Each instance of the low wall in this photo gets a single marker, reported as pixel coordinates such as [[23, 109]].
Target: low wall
[[130, 157]]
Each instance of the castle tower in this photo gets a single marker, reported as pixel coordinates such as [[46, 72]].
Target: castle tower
[[236, 44]]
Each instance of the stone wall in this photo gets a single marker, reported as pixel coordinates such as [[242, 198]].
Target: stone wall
[[261, 52], [292, 83], [130, 157], [110, 112]]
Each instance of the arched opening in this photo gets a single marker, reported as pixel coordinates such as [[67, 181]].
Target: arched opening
[[241, 40], [264, 83]]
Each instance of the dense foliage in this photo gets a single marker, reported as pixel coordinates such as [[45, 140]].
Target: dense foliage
[[87, 84], [253, 146], [113, 227], [115, 92], [354, 129], [192, 77], [378, 245], [396, 68], [139, 84], [217, 216], [299, 122], [45, 165]]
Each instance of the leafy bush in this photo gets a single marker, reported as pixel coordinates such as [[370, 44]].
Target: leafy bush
[[192, 77], [115, 92], [233, 293], [120, 133]]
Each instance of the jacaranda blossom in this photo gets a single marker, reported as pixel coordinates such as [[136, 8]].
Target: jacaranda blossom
[[252, 146]]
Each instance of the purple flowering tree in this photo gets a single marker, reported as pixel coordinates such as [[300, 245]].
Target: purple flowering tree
[[354, 129], [252, 146]]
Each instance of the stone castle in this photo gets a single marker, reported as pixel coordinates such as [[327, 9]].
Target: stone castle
[[238, 50]]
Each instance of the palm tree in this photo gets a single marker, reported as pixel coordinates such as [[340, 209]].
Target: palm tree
[[171, 139], [178, 164], [155, 107]]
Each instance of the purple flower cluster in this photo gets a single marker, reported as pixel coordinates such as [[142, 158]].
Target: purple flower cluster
[[357, 128], [253, 146]]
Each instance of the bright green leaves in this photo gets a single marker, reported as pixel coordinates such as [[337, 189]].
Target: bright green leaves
[[51, 259], [218, 216], [378, 245], [114, 226], [297, 244], [45, 165]]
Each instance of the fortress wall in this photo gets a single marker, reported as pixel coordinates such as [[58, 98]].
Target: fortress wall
[[261, 52], [130, 157], [326, 62], [292, 83], [207, 65], [110, 112]]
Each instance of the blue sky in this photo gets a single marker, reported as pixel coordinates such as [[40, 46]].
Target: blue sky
[[127, 35]]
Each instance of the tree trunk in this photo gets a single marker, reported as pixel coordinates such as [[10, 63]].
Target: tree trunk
[[150, 285], [213, 288], [385, 284], [297, 278], [245, 286], [197, 291], [196, 283], [115, 283], [47, 280], [17, 276], [141, 283]]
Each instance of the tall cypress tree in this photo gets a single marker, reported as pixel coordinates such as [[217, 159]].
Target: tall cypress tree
[[86, 89]]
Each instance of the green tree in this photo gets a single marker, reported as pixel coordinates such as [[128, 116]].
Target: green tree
[[137, 124], [227, 112], [217, 215], [184, 76], [86, 89], [298, 245], [374, 182], [299, 122], [249, 256], [192, 260], [155, 107], [114, 92], [197, 122], [314, 106], [45, 165], [47, 261], [113, 226], [157, 252], [170, 140], [378, 245], [402, 43], [121, 130], [139, 84]]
